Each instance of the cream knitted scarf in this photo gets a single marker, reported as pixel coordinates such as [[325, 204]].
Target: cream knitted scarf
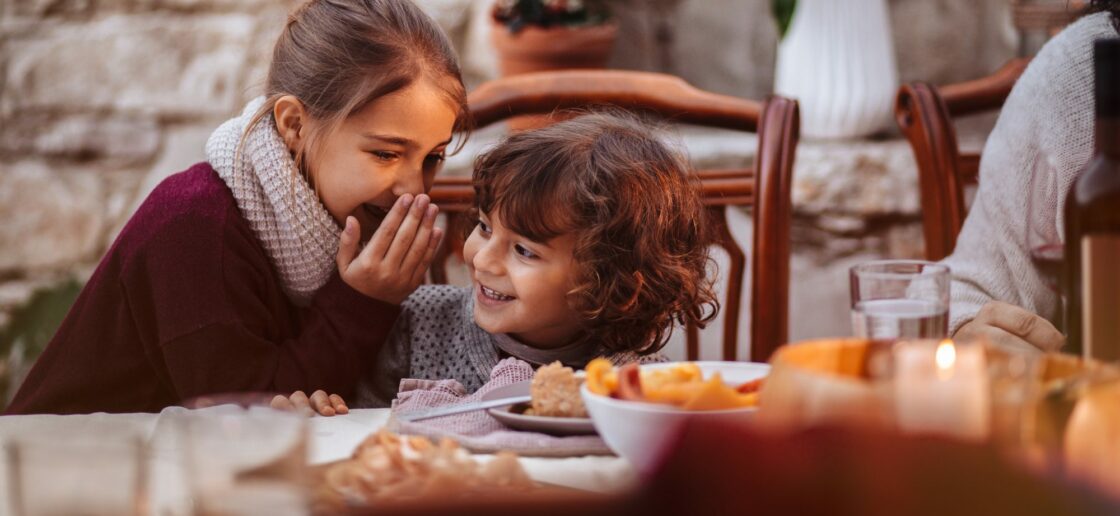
[[298, 234]]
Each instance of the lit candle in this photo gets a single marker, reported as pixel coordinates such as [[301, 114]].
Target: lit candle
[[941, 389]]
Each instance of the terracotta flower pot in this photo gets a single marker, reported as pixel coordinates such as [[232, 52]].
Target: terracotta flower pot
[[535, 49]]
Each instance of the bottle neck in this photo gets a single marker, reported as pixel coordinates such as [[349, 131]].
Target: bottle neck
[[1107, 136]]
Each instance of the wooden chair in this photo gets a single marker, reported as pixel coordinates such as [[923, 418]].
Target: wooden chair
[[925, 114], [765, 186]]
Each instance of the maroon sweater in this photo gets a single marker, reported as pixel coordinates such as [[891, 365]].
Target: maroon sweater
[[186, 303]]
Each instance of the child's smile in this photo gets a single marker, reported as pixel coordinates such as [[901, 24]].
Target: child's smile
[[492, 297], [522, 285]]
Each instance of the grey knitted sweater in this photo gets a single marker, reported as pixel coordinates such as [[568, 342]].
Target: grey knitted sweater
[[1047, 121], [435, 338]]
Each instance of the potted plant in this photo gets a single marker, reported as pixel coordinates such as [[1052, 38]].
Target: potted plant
[[536, 35]]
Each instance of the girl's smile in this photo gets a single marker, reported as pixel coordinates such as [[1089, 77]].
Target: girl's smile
[[369, 217]]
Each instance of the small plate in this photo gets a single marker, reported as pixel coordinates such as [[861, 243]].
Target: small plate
[[512, 416]]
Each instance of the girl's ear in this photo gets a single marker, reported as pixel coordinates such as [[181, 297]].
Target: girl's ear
[[291, 119]]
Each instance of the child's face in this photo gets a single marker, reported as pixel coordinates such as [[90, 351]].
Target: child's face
[[391, 147], [521, 286]]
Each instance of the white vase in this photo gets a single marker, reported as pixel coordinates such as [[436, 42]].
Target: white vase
[[837, 60]]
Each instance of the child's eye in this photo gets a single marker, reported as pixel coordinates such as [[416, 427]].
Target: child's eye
[[483, 227], [524, 251], [435, 158], [384, 155]]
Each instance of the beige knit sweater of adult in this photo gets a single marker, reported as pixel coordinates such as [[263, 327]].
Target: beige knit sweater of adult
[[1047, 121]]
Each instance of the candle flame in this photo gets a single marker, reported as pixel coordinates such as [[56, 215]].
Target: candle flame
[[946, 357]]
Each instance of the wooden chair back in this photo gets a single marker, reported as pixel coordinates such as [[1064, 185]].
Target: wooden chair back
[[925, 114], [765, 187]]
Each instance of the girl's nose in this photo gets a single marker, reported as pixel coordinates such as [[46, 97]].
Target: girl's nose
[[410, 180]]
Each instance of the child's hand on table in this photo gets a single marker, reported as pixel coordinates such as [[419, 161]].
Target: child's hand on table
[[319, 403], [396, 258]]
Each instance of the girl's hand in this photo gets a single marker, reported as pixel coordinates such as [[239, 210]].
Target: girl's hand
[[395, 260], [318, 403]]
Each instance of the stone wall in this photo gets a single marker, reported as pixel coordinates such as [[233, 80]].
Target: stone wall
[[98, 93], [101, 99]]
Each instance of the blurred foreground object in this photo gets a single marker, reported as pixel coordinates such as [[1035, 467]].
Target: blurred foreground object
[[826, 381], [387, 469], [1019, 403], [244, 460], [720, 468], [1092, 439], [77, 472]]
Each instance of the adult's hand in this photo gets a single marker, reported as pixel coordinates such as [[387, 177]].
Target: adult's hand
[[1009, 326]]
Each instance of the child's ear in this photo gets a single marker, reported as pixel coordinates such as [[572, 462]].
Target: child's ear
[[291, 118]]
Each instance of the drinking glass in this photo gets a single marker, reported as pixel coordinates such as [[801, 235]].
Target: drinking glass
[[245, 461], [900, 299], [89, 473]]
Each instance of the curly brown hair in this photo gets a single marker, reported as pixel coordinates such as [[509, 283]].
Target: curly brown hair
[[642, 234]]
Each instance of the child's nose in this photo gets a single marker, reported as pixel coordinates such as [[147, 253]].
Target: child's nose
[[487, 260]]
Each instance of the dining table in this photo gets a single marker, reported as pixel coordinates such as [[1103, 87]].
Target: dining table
[[329, 439]]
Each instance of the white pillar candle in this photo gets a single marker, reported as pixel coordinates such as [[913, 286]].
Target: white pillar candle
[[941, 388]]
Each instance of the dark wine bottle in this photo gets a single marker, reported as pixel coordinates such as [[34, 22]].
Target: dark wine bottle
[[1092, 214]]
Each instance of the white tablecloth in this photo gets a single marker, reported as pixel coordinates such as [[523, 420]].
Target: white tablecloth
[[332, 438]]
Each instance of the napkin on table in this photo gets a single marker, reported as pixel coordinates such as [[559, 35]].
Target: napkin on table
[[477, 431]]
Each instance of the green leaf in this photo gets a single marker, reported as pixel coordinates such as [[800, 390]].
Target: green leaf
[[37, 321], [783, 13]]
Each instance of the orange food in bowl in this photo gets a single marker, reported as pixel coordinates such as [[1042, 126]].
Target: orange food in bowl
[[681, 385], [638, 409]]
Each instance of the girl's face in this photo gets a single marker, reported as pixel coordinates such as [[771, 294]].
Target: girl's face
[[393, 146], [521, 286]]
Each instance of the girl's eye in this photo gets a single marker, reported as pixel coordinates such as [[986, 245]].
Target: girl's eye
[[483, 227], [435, 158], [384, 155], [524, 251]]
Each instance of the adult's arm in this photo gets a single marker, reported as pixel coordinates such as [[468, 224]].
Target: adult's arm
[[1045, 126]]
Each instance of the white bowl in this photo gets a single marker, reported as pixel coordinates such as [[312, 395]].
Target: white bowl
[[639, 431]]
